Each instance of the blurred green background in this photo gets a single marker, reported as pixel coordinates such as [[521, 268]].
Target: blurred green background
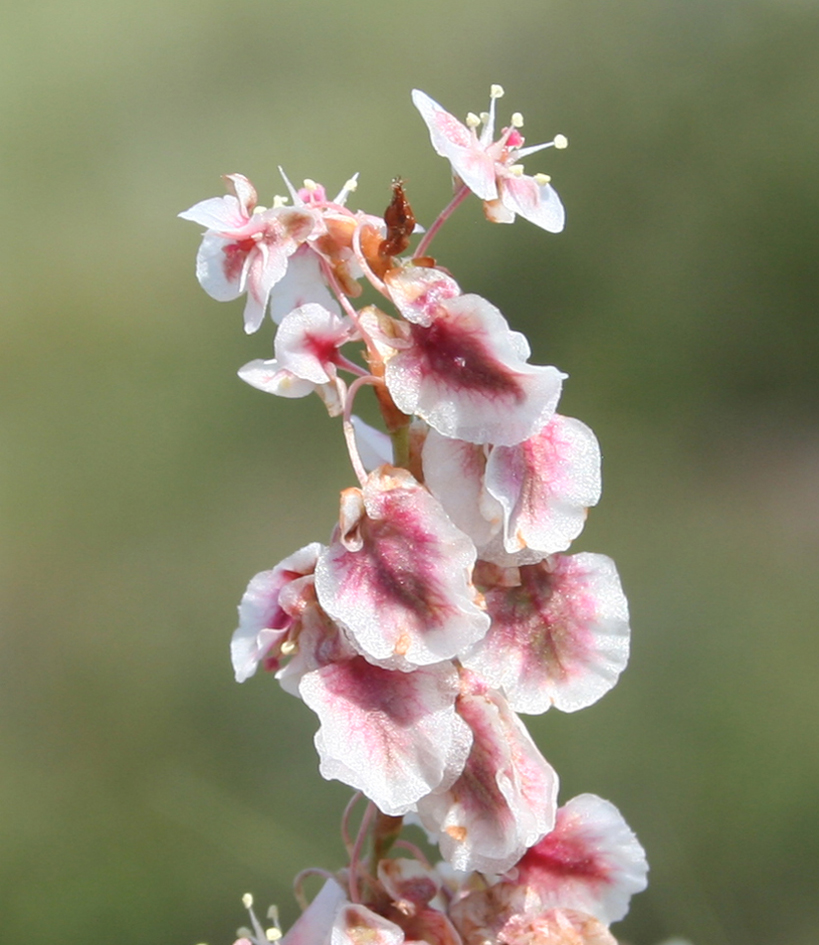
[[142, 484]]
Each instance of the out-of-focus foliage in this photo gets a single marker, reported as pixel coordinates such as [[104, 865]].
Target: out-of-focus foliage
[[141, 484]]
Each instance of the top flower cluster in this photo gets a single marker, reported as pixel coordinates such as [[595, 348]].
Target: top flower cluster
[[444, 603]]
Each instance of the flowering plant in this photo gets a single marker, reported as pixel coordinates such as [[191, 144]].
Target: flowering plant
[[444, 602]]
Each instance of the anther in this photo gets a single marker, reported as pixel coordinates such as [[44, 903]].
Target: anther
[[496, 91], [351, 185], [247, 900], [310, 184], [484, 116], [517, 120], [472, 120], [561, 141], [542, 179], [288, 647], [279, 201], [517, 170]]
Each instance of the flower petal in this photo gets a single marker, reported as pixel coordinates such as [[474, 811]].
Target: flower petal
[[395, 736], [558, 637], [537, 204], [545, 485]]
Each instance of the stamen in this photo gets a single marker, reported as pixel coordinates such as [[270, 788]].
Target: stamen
[[484, 116], [288, 647], [247, 900], [517, 170], [496, 91], [561, 141], [517, 120], [472, 120], [278, 201], [541, 180]]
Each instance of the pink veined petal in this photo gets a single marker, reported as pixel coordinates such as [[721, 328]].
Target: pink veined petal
[[454, 141], [504, 801], [220, 266], [465, 377], [537, 204], [394, 736], [418, 292], [403, 589], [545, 485], [308, 341], [560, 637], [591, 861], [265, 267], [453, 472]]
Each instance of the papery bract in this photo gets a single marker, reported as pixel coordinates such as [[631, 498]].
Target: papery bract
[[394, 736], [545, 485], [465, 371], [504, 801], [591, 861], [559, 633], [397, 574]]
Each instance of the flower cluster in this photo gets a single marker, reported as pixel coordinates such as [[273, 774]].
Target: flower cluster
[[444, 602]]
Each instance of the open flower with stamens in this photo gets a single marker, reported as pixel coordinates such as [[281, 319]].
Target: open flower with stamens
[[491, 169], [465, 371], [246, 247]]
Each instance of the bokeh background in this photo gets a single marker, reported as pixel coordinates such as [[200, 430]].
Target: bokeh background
[[142, 484]]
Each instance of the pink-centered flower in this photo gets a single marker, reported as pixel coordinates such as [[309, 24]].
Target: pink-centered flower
[[490, 168], [246, 247], [394, 736], [461, 368], [307, 350], [559, 634], [397, 575]]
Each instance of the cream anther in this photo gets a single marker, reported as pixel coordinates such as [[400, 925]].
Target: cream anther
[[310, 184], [472, 120], [542, 179], [279, 201], [496, 91], [247, 900], [273, 934], [351, 185], [288, 647], [561, 141], [517, 170], [484, 116], [517, 120]]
